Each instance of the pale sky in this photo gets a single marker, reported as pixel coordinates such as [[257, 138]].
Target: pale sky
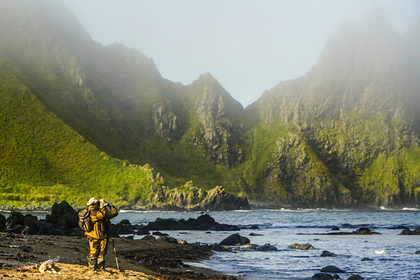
[[247, 45]]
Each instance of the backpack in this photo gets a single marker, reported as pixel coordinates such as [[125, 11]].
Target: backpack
[[85, 223]]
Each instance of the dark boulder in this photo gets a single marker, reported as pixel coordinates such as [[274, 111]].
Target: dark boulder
[[123, 227], [365, 231], [322, 276], [327, 254], [3, 221], [234, 239], [44, 228], [332, 269], [266, 248], [158, 233], [15, 218], [407, 231], [148, 237], [355, 277], [125, 222], [63, 216], [360, 231], [203, 222], [168, 239], [305, 246], [142, 231]]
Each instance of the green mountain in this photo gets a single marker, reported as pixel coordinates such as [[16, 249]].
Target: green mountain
[[80, 119], [346, 132]]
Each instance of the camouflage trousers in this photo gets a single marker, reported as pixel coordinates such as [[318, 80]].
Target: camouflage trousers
[[98, 247]]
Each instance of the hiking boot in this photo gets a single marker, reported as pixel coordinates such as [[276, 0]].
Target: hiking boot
[[92, 263], [101, 264]]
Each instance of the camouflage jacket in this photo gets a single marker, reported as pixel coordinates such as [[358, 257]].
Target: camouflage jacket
[[101, 221]]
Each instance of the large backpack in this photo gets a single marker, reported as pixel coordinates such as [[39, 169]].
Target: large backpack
[[85, 223]]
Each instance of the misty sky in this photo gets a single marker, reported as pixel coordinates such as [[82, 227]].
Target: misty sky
[[247, 45]]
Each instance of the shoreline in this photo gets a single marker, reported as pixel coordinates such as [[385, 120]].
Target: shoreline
[[257, 206], [139, 259]]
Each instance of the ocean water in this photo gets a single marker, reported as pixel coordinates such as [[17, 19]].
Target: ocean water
[[283, 228]]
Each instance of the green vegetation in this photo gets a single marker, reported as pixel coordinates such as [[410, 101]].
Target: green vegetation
[[44, 161], [79, 119]]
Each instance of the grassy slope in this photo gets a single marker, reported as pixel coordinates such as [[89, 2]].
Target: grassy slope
[[44, 160]]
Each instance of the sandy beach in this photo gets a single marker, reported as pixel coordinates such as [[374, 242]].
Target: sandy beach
[[20, 258]]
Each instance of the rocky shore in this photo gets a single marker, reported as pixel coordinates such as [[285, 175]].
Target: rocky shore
[[21, 258], [26, 243]]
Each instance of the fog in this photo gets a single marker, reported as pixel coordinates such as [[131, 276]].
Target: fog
[[248, 46]]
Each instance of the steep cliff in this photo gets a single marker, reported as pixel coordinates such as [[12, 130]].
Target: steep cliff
[[352, 120]]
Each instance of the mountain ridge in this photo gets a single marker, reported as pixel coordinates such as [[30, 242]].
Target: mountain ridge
[[343, 135]]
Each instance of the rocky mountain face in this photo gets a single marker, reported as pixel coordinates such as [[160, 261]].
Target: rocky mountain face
[[349, 116], [343, 135]]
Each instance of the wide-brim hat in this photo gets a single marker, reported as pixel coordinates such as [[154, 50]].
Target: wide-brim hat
[[92, 201]]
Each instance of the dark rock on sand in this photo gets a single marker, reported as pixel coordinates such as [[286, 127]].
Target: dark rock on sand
[[305, 246], [168, 239], [148, 237], [332, 269], [2, 222], [63, 216], [44, 228], [234, 239], [15, 218]]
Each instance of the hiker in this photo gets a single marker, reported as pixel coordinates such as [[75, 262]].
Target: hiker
[[101, 212]]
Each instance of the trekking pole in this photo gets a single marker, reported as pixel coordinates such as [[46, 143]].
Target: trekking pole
[[115, 252]]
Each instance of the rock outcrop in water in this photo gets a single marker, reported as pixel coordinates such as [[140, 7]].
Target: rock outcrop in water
[[203, 222], [192, 198]]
